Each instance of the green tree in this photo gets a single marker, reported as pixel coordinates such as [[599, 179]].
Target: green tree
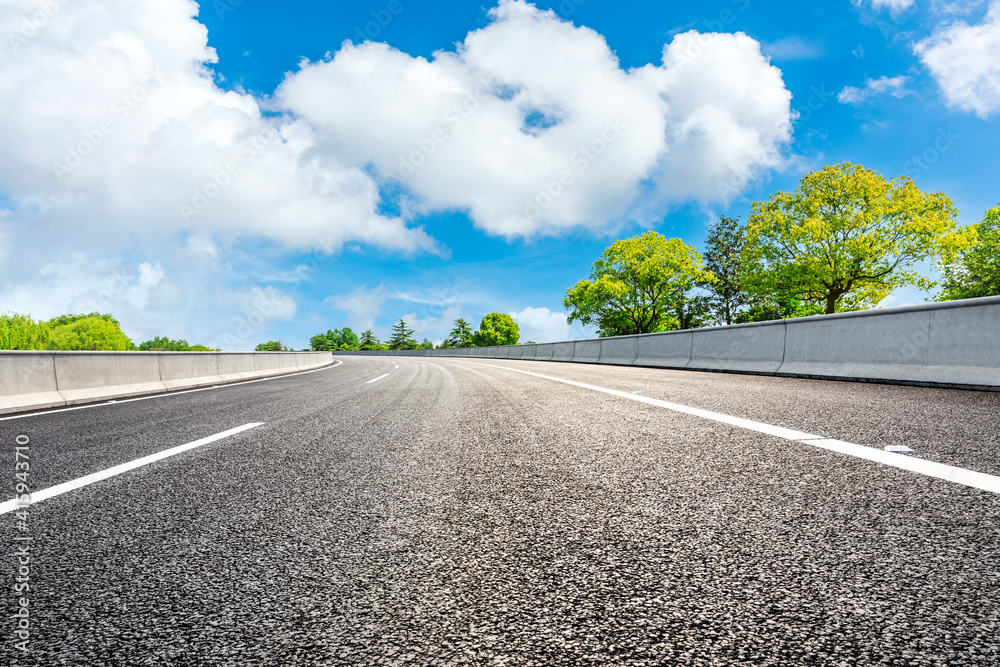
[[975, 270], [88, 333], [369, 341], [70, 319], [497, 329], [692, 313], [343, 339], [427, 344], [271, 346], [320, 343], [402, 337], [723, 257], [21, 332], [636, 285], [461, 335], [164, 344], [846, 238]]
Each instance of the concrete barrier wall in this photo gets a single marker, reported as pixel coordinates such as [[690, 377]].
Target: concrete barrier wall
[[38, 380], [954, 344]]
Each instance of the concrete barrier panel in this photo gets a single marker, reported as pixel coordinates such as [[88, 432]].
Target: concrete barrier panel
[[28, 381], [503, 352], [544, 351], [529, 352], [268, 363], [882, 347], [587, 351], [618, 351], [563, 351], [664, 350], [82, 377], [189, 369], [964, 344], [751, 348], [516, 351], [491, 351], [235, 366]]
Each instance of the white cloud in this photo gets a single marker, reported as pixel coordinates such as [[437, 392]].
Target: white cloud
[[542, 325], [894, 6], [795, 48], [362, 306], [965, 61], [491, 127], [895, 86]]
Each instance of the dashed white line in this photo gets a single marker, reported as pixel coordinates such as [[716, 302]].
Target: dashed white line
[[66, 487], [380, 377], [949, 473]]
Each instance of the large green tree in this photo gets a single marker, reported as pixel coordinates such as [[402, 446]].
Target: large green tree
[[368, 341], [723, 257], [636, 286], [88, 333], [461, 335], [402, 337], [975, 271], [497, 329], [846, 238], [271, 346]]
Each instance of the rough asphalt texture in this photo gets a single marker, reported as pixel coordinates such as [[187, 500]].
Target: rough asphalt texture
[[457, 513]]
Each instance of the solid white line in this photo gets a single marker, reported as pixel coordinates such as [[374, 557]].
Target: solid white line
[[397, 365], [65, 487], [163, 394], [378, 378], [949, 473]]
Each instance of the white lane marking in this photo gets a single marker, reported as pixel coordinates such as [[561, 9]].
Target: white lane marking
[[72, 485], [397, 365], [164, 394], [378, 378], [949, 473]]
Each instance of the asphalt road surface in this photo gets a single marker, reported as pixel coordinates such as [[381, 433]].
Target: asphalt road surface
[[443, 512]]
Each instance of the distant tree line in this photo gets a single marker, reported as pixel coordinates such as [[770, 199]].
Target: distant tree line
[[494, 329]]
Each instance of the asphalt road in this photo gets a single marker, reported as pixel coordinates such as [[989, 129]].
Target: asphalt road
[[461, 513]]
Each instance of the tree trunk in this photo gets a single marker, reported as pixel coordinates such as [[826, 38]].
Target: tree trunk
[[831, 302]]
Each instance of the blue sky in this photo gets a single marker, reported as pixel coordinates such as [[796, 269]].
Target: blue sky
[[243, 176]]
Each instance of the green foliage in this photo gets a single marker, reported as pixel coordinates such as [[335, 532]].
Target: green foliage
[[779, 308], [692, 313], [335, 339], [369, 341], [271, 346], [402, 337], [70, 319], [461, 335], [636, 285], [427, 344], [845, 238], [723, 258], [88, 333], [975, 270], [21, 332], [164, 344], [497, 329]]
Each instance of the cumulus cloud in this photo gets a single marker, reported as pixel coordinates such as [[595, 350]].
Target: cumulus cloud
[[542, 325], [533, 127], [965, 61], [894, 6], [895, 86]]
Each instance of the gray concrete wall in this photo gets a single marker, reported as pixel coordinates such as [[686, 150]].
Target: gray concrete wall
[[38, 380], [954, 344]]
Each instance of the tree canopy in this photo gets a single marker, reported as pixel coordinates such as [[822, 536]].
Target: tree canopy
[[845, 238], [723, 258], [402, 337], [271, 346], [88, 333], [497, 329], [461, 335], [369, 341], [975, 270], [636, 286]]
